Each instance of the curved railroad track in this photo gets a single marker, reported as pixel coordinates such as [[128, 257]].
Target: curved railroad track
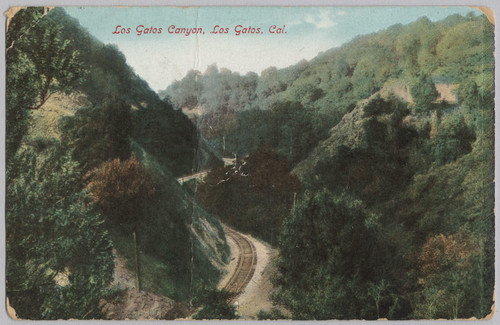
[[245, 268]]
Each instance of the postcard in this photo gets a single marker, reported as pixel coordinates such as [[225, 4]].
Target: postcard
[[255, 163]]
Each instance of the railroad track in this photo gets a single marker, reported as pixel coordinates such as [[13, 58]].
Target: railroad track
[[245, 268]]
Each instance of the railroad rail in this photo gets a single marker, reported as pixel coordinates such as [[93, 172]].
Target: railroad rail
[[245, 268]]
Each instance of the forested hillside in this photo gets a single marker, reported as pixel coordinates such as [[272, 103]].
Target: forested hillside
[[92, 155], [368, 167], [227, 106], [374, 162]]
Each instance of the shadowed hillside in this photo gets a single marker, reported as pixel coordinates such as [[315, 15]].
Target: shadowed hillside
[[92, 159]]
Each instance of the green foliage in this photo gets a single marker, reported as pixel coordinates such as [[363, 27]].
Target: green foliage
[[59, 252], [476, 99], [216, 305], [169, 225], [254, 195], [56, 65], [329, 85], [213, 90], [59, 257], [398, 214], [449, 207], [287, 128], [110, 83], [173, 140], [424, 172], [98, 133], [449, 268], [184, 93], [467, 48], [423, 92], [452, 139], [39, 62], [20, 95], [330, 253], [378, 106], [429, 179], [379, 167]]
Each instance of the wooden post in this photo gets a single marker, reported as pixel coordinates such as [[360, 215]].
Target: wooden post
[[137, 265]]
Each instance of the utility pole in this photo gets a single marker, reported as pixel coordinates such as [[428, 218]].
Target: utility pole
[[137, 265]]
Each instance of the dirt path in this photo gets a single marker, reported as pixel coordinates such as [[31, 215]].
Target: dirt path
[[254, 294]]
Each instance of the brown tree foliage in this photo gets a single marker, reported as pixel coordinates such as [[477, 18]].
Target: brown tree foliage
[[442, 252], [448, 278], [122, 189]]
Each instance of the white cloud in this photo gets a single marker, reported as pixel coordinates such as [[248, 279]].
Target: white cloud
[[321, 20], [341, 13]]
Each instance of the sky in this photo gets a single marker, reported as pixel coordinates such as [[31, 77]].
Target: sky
[[161, 58]]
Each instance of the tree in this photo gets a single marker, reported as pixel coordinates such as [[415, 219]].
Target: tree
[[466, 48], [255, 195], [22, 87], [59, 258], [407, 47], [122, 190], [216, 305], [423, 92], [293, 122], [331, 250], [452, 138], [186, 92], [447, 266], [20, 96], [57, 65], [98, 133], [377, 168], [39, 62]]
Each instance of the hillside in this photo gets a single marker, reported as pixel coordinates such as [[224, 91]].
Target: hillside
[[367, 169], [97, 153], [349, 132], [320, 91], [378, 155]]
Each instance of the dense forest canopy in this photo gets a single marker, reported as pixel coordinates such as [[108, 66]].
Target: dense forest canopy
[[386, 148], [369, 168]]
